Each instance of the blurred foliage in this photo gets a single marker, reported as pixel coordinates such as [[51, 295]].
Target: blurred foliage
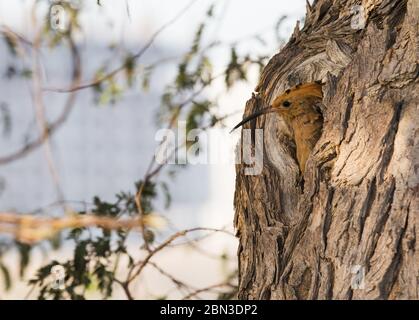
[[96, 255], [5, 120]]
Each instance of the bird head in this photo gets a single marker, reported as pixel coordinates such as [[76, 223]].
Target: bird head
[[292, 103]]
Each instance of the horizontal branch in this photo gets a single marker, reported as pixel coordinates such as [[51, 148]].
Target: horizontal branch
[[30, 229]]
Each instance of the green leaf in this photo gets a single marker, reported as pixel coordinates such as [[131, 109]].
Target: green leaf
[[11, 43], [235, 70], [210, 11], [103, 208], [102, 247], [197, 39], [204, 70], [166, 193], [130, 69], [111, 92], [80, 261], [5, 119], [26, 73], [148, 195], [55, 241], [6, 277], [196, 115], [149, 236], [146, 76], [184, 79], [24, 251]]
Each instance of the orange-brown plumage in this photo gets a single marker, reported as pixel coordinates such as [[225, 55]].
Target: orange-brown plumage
[[299, 107]]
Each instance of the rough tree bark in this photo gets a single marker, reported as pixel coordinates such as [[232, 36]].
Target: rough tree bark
[[359, 207]]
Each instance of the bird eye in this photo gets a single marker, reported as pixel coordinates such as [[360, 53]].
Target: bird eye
[[286, 104]]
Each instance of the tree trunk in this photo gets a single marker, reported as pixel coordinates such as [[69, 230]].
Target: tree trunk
[[350, 231]]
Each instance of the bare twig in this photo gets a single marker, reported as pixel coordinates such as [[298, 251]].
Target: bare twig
[[150, 172], [136, 56], [179, 284], [141, 265], [209, 288], [51, 128], [41, 120], [7, 32], [124, 287]]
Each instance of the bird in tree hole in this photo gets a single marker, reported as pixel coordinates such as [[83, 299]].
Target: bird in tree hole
[[299, 107]]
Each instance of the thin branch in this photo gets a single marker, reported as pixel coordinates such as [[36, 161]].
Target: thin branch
[[141, 265], [150, 173], [179, 284], [124, 287], [9, 33], [136, 56], [51, 128], [38, 101], [28, 294], [215, 286]]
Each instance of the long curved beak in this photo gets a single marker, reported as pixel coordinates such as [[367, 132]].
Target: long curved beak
[[253, 116]]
